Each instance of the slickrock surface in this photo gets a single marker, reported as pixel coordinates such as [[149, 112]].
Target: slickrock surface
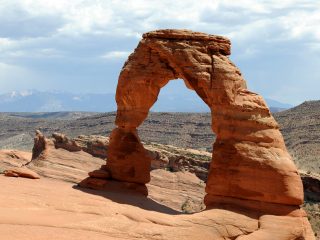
[[179, 190], [54, 208], [59, 163], [250, 160], [162, 156], [13, 158]]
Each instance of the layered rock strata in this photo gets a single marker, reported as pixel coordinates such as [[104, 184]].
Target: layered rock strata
[[94, 144], [67, 162], [21, 172]]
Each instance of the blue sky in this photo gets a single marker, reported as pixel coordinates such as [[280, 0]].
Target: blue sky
[[81, 45]]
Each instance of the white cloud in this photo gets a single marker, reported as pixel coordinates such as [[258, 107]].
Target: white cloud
[[132, 18], [58, 37], [6, 44], [116, 55], [13, 77], [301, 24], [6, 69], [34, 53], [76, 98], [84, 18], [26, 93]]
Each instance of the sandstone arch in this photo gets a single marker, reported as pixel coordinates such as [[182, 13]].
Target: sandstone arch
[[250, 160]]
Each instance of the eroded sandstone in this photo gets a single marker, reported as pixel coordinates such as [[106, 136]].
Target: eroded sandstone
[[250, 160], [169, 193], [21, 172]]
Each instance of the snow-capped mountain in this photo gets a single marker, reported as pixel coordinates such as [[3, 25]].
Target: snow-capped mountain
[[37, 101], [56, 101]]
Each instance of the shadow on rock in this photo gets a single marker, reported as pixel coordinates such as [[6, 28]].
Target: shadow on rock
[[124, 193]]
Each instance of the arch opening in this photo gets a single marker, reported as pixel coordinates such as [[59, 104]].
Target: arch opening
[[179, 117], [175, 96]]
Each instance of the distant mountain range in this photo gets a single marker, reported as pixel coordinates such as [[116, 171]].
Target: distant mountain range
[[37, 101]]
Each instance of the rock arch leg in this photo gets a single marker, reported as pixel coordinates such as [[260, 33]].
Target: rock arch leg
[[128, 161], [140, 81], [249, 160]]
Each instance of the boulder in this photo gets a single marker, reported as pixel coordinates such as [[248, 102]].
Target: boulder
[[21, 172]]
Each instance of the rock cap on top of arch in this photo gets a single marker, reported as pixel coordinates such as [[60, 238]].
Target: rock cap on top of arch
[[221, 44]]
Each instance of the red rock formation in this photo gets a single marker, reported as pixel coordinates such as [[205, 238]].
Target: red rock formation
[[21, 172], [40, 145], [250, 160], [61, 161], [13, 158], [94, 145], [180, 191]]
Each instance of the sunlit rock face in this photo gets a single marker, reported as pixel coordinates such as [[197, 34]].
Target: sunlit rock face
[[250, 160]]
